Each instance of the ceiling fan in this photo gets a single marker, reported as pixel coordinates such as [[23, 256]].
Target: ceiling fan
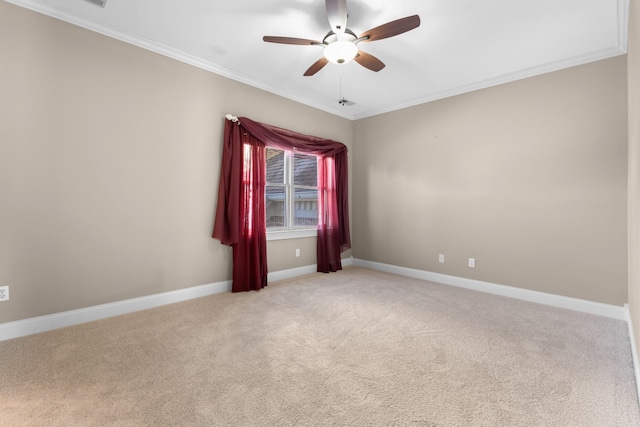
[[341, 44]]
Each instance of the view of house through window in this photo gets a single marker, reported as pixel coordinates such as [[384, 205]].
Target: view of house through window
[[292, 190]]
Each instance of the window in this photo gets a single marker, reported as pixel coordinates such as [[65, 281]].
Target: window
[[291, 194]]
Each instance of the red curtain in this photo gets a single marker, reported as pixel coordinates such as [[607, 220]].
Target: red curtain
[[230, 223], [328, 247], [240, 217]]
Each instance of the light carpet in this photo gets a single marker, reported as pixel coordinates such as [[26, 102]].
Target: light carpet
[[357, 347]]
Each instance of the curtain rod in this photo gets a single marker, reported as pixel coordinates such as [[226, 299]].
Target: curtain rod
[[232, 118]]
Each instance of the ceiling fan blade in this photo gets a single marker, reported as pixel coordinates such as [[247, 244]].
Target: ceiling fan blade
[[317, 66], [391, 29], [289, 40], [337, 14], [369, 61]]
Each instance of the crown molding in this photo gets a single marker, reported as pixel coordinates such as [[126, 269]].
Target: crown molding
[[619, 49]]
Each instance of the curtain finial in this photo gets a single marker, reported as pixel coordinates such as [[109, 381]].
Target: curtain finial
[[232, 118]]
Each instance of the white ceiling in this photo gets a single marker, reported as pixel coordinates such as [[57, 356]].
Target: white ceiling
[[460, 46]]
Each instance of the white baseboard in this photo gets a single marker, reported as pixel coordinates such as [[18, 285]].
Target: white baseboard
[[634, 347], [600, 309], [302, 271], [291, 273], [34, 325], [49, 322]]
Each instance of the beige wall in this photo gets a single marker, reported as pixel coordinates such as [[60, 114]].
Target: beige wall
[[529, 178], [634, 166], [109, 162]]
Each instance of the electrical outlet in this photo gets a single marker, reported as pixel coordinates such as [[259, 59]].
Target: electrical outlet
[[4, 293], [441, 258], [472, 263], [297, 252]]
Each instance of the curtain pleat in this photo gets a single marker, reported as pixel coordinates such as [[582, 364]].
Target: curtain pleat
[[240, 220], [328, 243]]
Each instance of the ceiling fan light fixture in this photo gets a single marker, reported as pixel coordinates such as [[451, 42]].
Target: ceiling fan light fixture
[[341, 51]]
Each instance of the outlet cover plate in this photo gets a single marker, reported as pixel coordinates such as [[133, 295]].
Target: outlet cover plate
[[4, 293]]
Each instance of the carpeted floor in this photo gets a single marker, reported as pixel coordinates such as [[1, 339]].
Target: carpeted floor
[[357, 347]]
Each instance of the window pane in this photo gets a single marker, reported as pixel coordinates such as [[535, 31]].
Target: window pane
[[275, 206], [305, 170], [275, 166], [305, 207]]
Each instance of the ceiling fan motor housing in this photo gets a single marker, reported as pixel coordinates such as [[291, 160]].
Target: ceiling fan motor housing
[[340, 48]]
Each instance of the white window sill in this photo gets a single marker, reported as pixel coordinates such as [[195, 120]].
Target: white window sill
[[292, 234]]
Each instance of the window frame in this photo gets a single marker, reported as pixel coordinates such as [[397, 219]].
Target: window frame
[[290, 231]]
